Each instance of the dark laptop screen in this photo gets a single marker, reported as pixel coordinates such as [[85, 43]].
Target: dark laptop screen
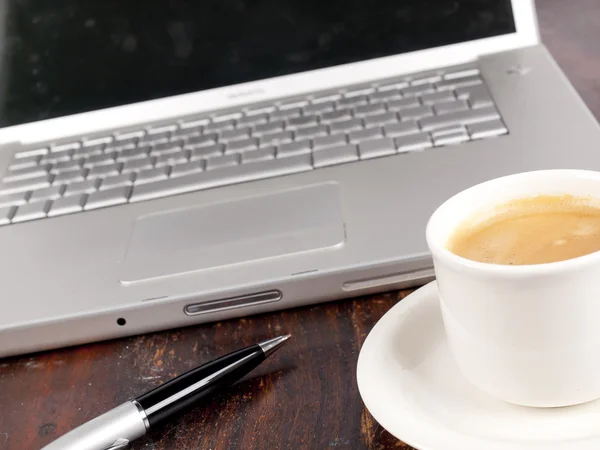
[[72, 56]]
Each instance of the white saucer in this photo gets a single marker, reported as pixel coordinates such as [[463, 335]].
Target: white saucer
[[412, 386]]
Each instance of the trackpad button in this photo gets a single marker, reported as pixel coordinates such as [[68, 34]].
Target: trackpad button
[[221, 234]]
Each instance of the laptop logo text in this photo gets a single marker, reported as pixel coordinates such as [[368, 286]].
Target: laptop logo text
[[246, 93]]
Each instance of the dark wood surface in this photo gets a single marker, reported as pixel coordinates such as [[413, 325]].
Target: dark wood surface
[[304, 397]]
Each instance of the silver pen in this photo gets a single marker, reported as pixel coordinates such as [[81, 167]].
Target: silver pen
[[117, 428]]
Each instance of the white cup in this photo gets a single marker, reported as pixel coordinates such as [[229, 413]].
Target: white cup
[[529, 335]]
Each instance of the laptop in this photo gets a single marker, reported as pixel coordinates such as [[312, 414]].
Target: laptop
[[173, 164]]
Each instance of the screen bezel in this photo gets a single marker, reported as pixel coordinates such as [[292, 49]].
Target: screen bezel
[[270, 89]]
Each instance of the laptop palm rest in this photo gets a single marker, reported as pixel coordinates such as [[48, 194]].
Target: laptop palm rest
[[233, 232]]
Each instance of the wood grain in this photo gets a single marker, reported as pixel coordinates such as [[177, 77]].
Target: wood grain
[[304, 397]]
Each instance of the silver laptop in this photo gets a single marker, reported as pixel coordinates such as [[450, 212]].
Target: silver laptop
[[211, 160]]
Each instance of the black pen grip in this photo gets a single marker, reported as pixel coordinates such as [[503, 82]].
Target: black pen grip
[[181, 393]]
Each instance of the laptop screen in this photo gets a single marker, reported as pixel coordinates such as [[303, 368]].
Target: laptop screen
[[71, 57]]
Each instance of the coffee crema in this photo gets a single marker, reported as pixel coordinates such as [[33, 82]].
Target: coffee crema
[[534, 230]]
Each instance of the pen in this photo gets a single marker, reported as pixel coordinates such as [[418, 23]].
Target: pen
[[117, 428]]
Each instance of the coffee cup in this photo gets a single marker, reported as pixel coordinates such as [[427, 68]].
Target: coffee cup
[[526, 334]]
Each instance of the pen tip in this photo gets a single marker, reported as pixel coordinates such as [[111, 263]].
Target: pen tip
[[271, 345]]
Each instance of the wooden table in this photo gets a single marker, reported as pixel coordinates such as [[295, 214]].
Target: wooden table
[[304, 397]]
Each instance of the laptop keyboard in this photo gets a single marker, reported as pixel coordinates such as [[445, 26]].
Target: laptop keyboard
[[284, 138]]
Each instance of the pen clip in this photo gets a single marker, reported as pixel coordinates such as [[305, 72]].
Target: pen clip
[[119, 444]]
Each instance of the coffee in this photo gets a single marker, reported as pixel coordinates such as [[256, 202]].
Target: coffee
[[533, 230]]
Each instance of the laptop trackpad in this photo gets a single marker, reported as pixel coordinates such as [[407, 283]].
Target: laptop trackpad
[[234, 232]]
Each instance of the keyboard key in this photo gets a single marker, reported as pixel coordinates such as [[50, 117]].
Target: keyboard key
[[245, 144], [376, 148], [174, 158], [401, 129], [100, 160], [125, 179], [234, 135], [17, 199], [227, 124], [334, 140], [61, 148], [395, 85], [23, 174], [381, 119], [69, 177], [161, 129], [186, 168], [86, 152], [220, 177], [359, 136], [478, 96], [447, 130], [260, 110], [104, 171], [52, 158], [262, 154], [131, 136], [294, 148], [453, 137], [413, 91], [438, 97], [81, 187], [429, 79], [487, 129], [336, 116], [25, 162], [98, 141], [253, 120], [326, 98], [301, 122], [185, 133], [167, 148], [30, 211], [108, 197], [194, 123], [135, 153], [416, 113], [222, 161], [49, 193], [385, 96], [461, 73], [123, 142], [39, 151], [413, 142], [66, 166], [206, 152], [226, 117], [285, 113], [66, 205], [458, 82], [335, 155], [29, 184], [369, 110], [150, 175], [448, 107], [137, 165], [468, 117], [403, 103], [271, 127], [345, 102], [319, 108], [6, 214], [311, 132], [359, 92], [346, 126], [280, 137], [198, 141]]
